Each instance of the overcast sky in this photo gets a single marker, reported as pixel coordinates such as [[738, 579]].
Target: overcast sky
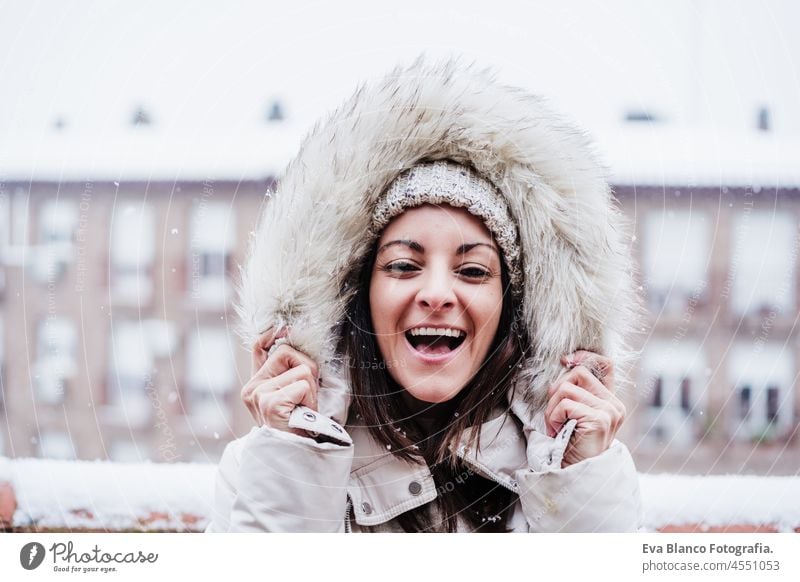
[[200, 67]]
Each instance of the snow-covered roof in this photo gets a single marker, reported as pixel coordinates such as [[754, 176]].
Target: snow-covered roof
[[103, 495], [652, 155], [679, 156], [149, 154]]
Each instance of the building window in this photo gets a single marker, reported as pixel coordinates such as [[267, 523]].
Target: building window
[[772, 403], [126, 451], [676, 258], [5, 221], [130, 373], [745, 401], [763, 378], [56, 445], [678, 370], [2, 370], [132, 253], [213, 236], [19, 218], [55, 359], [5, 236], [58, 219], [210, 375], [658, 395], [686, 395], [763, 263], [162, 337]]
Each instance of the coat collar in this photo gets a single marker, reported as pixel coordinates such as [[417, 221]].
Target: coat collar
[[382, 486]]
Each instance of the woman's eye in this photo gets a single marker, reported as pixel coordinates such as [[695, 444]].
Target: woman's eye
[[474, 273], [405, 267], [400, 267]]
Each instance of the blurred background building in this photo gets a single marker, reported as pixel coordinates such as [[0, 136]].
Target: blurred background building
[[133, 169], [117, 316], [716, 240]]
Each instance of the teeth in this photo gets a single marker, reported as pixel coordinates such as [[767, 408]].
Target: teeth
[[436, 331]]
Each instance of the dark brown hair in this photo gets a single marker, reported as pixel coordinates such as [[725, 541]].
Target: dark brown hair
[[377, 405]]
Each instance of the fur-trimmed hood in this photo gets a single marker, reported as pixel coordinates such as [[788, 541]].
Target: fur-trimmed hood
[[578, 281]]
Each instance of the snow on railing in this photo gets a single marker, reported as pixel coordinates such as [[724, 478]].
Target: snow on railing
[[720, 503], [103, 496], [48, 495]]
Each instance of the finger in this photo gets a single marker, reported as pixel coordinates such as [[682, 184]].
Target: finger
[[577, 394], [612, 408], [301, 393], [247, 396], [581, 376], [284, 358], [257, 388], [261, 386], [601, 366], [297, 374], [262, 345], [275, 408], [569, 409]]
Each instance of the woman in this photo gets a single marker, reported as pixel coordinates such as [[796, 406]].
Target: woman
[[438, 275]]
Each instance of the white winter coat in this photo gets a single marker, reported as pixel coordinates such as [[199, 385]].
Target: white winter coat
[[577, 295]]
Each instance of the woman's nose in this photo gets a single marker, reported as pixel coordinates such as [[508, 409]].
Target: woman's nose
[[437, 291]]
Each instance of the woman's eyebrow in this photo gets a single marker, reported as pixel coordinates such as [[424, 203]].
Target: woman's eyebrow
[[415, 246], [467, 247]]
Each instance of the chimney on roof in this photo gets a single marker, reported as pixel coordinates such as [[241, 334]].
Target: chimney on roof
[[764, 122], [640, 116], [276, 112], [141, 117]]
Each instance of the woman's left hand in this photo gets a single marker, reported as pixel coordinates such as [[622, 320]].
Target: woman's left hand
[[585, 392]]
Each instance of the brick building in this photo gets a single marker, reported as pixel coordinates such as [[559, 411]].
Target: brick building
[[715, 232], [117, 317]]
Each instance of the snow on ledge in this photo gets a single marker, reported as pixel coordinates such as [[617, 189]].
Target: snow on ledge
[[179, 497], [5, 469], [721, 500], [112, 496]]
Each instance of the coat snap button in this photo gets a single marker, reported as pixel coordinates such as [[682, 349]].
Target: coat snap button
[[366, 508], [310, 416], [414, 488]]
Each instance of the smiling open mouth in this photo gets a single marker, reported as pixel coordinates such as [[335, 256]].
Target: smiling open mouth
[[435, 341]]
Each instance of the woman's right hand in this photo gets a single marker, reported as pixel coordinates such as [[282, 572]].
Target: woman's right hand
[[281, 381]]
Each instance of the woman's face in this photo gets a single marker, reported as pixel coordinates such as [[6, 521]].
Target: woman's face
[[435, 296]]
